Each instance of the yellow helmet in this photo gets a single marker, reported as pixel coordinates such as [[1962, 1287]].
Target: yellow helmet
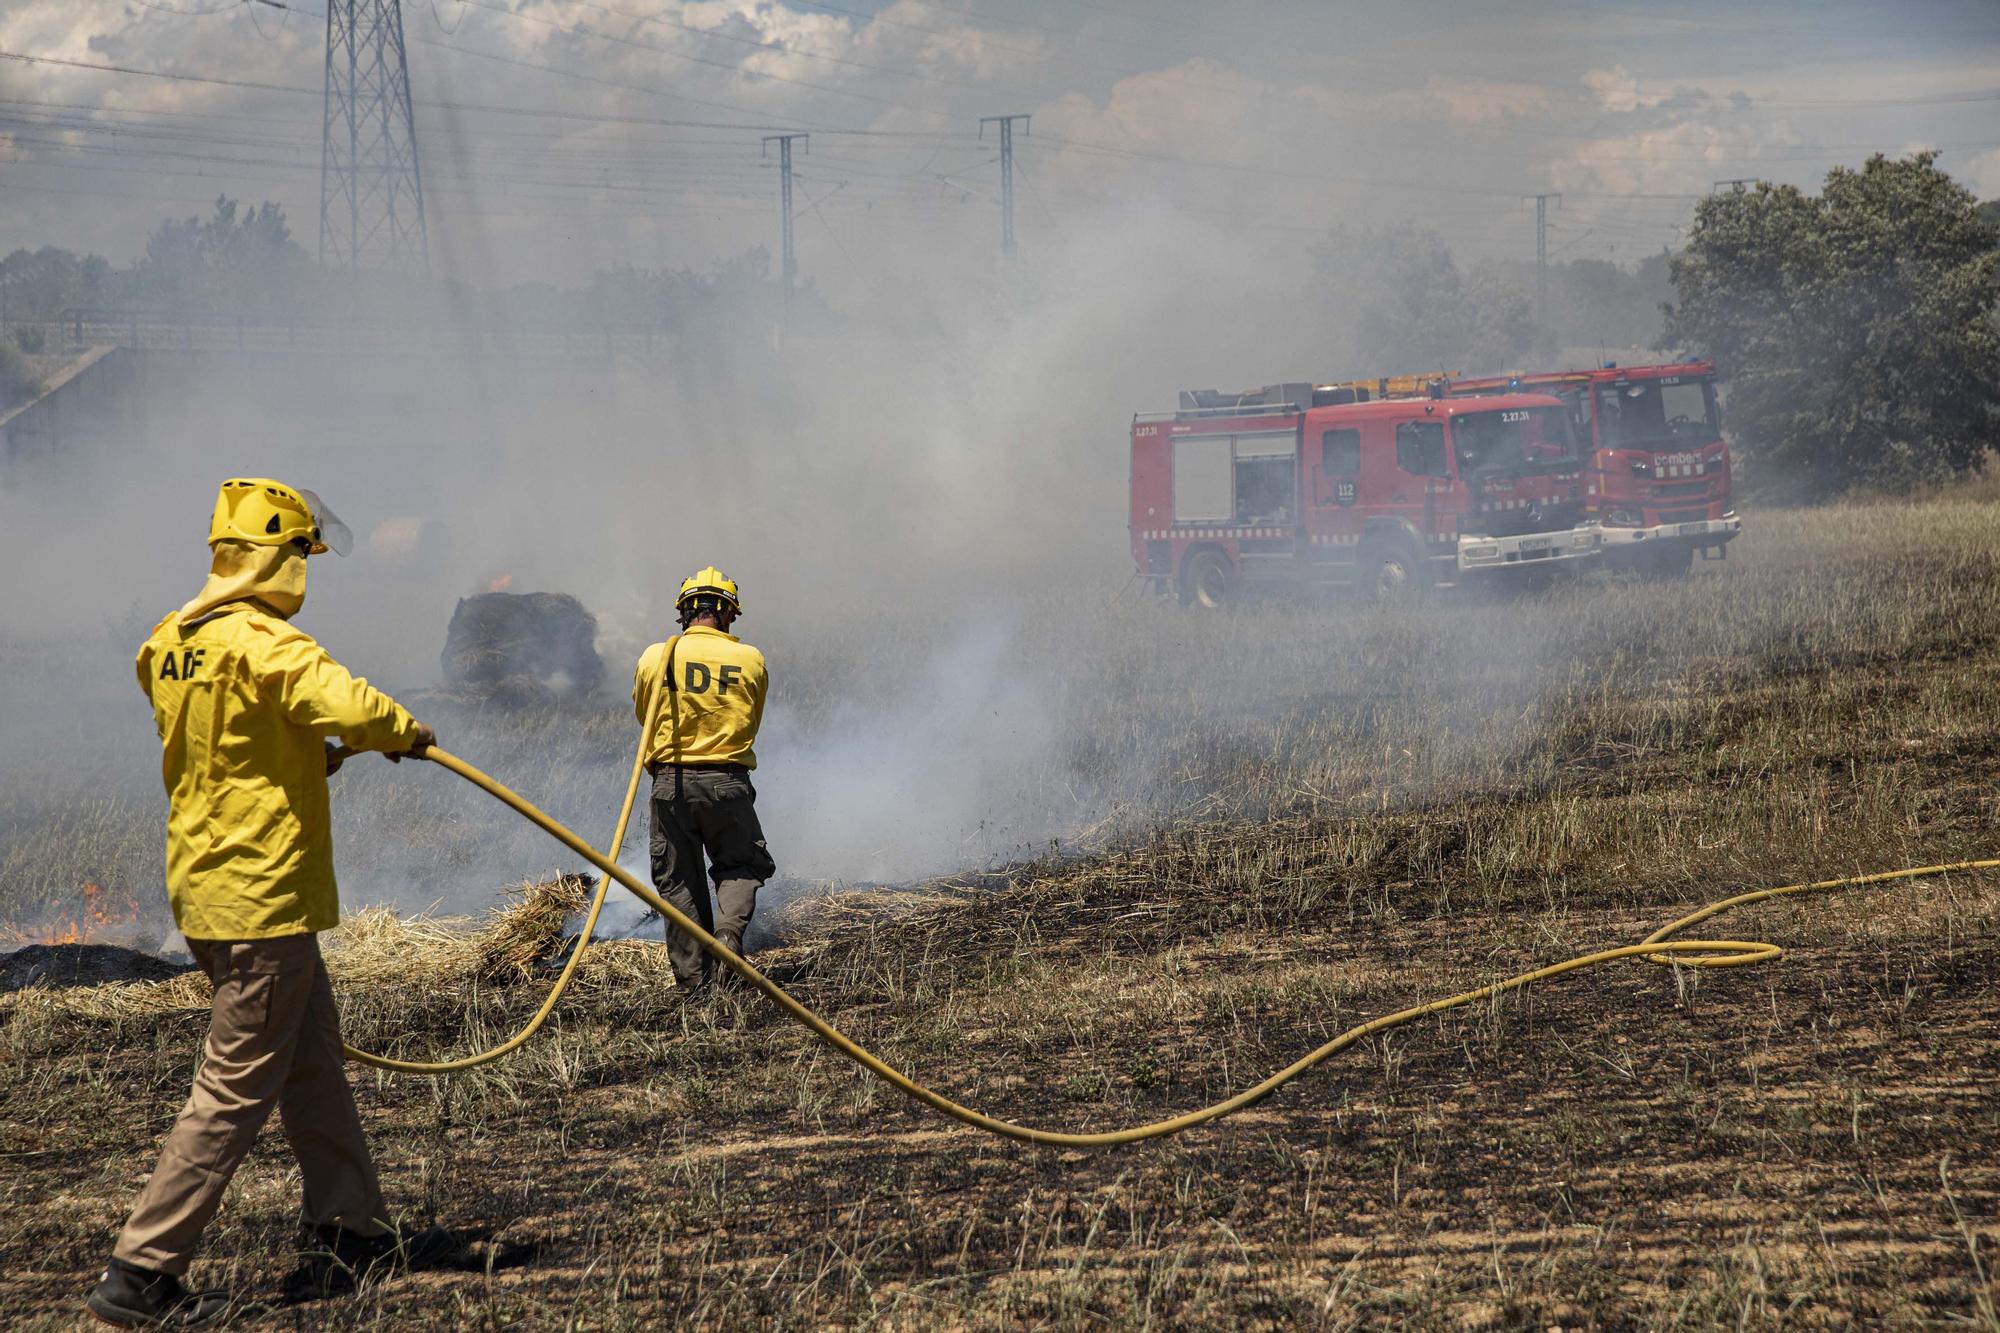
[[269, 513], [708, 590]]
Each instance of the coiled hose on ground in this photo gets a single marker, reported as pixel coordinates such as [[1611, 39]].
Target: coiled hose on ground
[[1659, 947]]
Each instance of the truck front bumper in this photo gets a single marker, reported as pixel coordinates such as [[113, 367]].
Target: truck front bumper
[[1705, 532], [1476, 554]]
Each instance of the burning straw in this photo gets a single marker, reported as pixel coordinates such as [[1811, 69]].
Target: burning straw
[[377, 949]]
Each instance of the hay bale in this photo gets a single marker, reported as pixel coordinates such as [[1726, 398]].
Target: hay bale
[[522, 649], [114, 1000], [533, 929], [375, 947]]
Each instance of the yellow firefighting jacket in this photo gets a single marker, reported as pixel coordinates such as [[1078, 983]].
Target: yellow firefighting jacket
[[719, 688], [243, 701]]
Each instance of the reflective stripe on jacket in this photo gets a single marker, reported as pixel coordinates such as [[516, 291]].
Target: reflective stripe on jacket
[[243, 703], [719, 687]]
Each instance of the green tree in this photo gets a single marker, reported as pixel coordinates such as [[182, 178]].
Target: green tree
[[36, 286], [1593, 302], [1857, 328], [237, 259]]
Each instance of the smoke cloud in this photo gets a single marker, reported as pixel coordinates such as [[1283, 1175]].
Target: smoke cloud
[[922, 497]]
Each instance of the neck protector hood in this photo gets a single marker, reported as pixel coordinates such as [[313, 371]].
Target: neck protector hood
[[274, 577]]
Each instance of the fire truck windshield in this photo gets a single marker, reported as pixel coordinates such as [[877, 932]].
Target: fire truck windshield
[[1657, 413], [1512, 440]]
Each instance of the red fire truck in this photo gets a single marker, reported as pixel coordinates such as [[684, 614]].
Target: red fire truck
[[1292, 486], [1658, 480]]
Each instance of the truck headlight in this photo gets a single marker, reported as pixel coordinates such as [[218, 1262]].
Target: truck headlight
[[1624, 518], [1482, 552], [1584, 539]]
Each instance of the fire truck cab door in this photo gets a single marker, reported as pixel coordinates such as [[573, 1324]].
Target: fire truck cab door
[[1419, 480], [1334, 516]]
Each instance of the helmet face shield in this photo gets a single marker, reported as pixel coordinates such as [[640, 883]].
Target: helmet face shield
[[332, 534]]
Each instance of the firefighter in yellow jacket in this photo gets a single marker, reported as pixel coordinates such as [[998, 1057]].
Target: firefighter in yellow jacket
[[246, 707], [700, 755]]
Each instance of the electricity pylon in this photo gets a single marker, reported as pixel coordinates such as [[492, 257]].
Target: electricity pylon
[[371, 194]]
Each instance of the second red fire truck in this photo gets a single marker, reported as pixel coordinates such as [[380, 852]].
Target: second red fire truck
[[1301, 484], [1659, 474]]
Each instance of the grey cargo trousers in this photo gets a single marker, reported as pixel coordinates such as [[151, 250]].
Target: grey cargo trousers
[[708, 808]]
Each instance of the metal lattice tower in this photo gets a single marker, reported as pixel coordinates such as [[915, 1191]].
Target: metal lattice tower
[[1542, 254], [371, 195], [1006, 124], [790, 263]]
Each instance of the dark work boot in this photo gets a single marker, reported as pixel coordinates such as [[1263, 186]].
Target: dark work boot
[[133, 1297], [726, 978], [336, 1261]]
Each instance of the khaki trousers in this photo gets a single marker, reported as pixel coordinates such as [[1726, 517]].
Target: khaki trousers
[[711, 809], [273, 1041]]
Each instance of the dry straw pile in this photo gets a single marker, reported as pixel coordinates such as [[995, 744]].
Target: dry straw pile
[[378, 949]]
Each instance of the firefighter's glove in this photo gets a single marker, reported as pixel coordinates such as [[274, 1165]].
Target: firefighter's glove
[[426, 738]]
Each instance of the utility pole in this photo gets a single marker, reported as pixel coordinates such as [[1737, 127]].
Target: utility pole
[[1006, 124], [371, 194], [1542, 253], [789, 265]]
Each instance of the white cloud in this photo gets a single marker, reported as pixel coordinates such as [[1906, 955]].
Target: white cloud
[[1684, 157], [1617, 90], [1980, 174], [1482, 101]]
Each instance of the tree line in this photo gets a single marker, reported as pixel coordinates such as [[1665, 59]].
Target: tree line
[[1857, 330], [241, 262]]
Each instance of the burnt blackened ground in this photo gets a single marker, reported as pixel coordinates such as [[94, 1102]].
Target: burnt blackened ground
[[1810, 1142]]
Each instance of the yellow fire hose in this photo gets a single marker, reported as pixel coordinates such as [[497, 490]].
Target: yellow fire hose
[[1657, 947]]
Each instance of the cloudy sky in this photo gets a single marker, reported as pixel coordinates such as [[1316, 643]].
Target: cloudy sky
[[558, 136]]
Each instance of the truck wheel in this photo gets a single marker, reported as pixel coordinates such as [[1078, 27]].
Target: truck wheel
[[1665, 563], [1206, 581], [1392, 573]]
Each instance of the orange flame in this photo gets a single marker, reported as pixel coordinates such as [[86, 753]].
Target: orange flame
[[501, 584], [98, 912]]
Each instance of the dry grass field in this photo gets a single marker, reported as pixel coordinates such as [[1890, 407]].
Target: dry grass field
[[1276, 823]]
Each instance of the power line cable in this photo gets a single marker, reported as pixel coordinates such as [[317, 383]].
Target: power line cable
[[105, 67], [438, 18], [832, 235], [596, 79], [283, 18], [1332, 178]]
